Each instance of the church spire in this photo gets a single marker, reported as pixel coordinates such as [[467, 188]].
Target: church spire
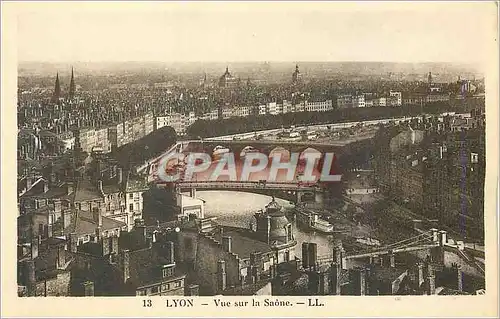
[[72, 87], [57, 90]]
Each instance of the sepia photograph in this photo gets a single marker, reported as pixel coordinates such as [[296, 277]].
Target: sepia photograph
[[173, 151]]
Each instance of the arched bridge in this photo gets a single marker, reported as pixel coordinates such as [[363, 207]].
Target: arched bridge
[[289, 191], [347, 156]]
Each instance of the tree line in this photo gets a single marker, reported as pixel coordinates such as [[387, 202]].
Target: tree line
[[209, 128], [151, 145]]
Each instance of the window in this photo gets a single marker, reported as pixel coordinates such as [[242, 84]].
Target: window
[[177, 284], [165, 287], [131, 195], [131, 207], [168, 272]]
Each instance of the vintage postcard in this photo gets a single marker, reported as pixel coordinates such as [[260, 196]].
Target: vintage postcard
[[249, 159]]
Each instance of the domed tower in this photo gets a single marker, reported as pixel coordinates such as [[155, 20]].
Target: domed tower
[[227, 80], [296, 76], [274, 228]]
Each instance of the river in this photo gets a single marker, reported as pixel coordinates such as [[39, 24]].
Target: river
[[237, 209]]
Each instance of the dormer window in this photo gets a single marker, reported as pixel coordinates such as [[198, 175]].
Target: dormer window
[[167, 271]]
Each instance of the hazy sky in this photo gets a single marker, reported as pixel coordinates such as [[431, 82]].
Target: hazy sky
[[251, 31]]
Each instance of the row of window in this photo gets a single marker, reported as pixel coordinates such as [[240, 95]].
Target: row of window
[[157, 289], [120, 195], [92, 238]]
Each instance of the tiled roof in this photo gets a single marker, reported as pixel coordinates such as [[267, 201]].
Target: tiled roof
[[36, 187], [246, 290], [242, 242], [145, 266], [86, 191], [83, 223], [45, 263], [110, 189]]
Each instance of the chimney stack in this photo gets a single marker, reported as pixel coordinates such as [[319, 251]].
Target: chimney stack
[[73, 242], [227, 243], [442, 238], [420, 274], [120, 175], [335, 275], [193, 290], [88, 288], [61, 257], [30, 277], [392, 259], [314, 282], [140, 231], [48, 230], [358, 280], [114, 244], [313, 255], [458, 270], [255, 265], [170, 250], [431, 280], [106, 243], [69, 188], [41, 230], [435, 237], [34, 248], [66, 217], [126, 265], [305, 255], [338, 256], [221, 275]]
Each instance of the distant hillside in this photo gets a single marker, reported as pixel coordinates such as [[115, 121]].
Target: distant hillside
[[251, 68]]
